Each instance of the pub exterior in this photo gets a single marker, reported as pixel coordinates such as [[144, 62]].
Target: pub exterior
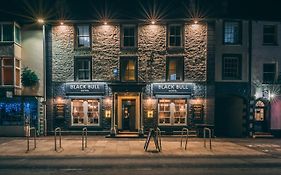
[[127, 76]]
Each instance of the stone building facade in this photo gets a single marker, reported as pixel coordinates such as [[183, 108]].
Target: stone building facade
[[107, 102]]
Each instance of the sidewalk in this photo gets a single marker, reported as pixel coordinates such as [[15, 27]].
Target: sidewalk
[[99, 146]]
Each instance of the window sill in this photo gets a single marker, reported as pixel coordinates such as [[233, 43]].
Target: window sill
[[270, 44], [232, 44], [82, 48], [128, 48], [175, 48]]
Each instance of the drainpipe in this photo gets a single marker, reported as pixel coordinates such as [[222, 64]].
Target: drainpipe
[[44, 79]]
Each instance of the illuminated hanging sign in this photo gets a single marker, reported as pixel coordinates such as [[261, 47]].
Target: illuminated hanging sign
[[173, 88], [85, 88]]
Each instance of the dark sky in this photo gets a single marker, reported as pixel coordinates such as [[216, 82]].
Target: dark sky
[[29, 10]]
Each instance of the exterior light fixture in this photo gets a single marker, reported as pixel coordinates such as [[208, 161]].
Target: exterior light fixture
[[41, 20], [107, 113], [104, 23], [195, 22], [61, 23], [153, 22], [150, 114], [272, 96]]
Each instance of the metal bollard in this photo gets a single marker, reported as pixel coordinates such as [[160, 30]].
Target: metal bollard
[[28, 136], [58, 129], [210, 136], [187, 132], [84, 138]]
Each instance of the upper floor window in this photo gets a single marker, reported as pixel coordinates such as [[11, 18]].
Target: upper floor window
[[83, 68], [269, 72], [269, 34], [231, 67], [129, 39], [10, 73], [83, 36], [232, 32], [175, 35], [10, 33], [174, 69], [128, 68]]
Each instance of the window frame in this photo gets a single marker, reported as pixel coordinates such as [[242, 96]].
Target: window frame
[[13, 27], [14, 68], [76, 70], [121, 59], [239, 57], [172, 115], [275, 42], [275, 73], [85, 118], [181, 35], [177, 58], [122, 37], [77, 37], [240, 34]]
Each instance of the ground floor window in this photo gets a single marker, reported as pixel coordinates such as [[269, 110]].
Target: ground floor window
[[85, 112], [172, 111]]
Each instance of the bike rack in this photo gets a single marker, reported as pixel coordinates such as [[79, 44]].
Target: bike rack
[[28, 136], [58, 129], [182, 132], [210, 136], [84, 138]]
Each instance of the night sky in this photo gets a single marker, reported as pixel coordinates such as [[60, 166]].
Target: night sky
[[30, 10]]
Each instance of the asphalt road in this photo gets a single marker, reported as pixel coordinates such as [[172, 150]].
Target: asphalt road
[[155, 165]]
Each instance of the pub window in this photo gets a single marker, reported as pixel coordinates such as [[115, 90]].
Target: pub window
[[83, 36], [10, 71], [269, 73], [83, 68], [232, 32], [174, 71], [172, 111], [85, 112], [175, 35], [269, 34], [129, 33], [128, 67], [231, 67]]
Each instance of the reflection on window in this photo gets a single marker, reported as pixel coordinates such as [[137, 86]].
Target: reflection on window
[[232, 33], [128, 68], [83, 36], [172, 111], [85, 112]]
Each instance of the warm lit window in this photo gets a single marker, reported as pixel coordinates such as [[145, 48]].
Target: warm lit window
[[175, 35], [231, 67], [172, 111], [232, 32], [82, 68], [85, 112], [128, 67], [269, 73], [269, 34], [129, 39], [83, 36], [174, 68], [10, 72]]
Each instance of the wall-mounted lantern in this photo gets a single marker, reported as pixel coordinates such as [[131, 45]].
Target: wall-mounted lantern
[[107, 113], [150, 114]]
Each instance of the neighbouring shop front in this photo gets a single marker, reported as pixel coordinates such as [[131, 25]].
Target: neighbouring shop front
[[18, 112]]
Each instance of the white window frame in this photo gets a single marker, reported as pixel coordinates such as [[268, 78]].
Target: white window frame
[[85, 117]]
